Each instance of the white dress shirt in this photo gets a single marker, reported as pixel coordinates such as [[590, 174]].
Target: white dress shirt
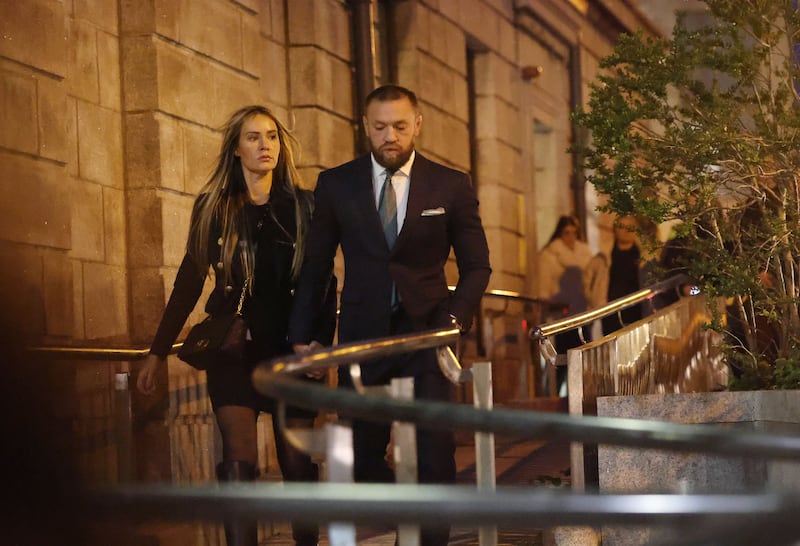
[[401, 180]]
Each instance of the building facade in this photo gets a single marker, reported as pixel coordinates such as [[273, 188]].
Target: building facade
[[111, 111]]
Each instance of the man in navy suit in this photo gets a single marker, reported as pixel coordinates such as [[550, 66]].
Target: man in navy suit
[[396, 215]]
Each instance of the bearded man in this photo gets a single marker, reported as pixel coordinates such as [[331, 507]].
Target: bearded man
[[396, 216]]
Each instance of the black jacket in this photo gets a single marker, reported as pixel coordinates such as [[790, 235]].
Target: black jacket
[[442, 214], [267, 310]]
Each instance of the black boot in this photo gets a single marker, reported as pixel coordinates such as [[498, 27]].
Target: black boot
[[305, 536], [239, 532]]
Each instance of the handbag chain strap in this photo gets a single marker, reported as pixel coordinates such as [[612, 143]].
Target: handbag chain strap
[[241, 298]]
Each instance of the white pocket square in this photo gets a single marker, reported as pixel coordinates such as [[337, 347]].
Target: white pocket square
[[433, 212]]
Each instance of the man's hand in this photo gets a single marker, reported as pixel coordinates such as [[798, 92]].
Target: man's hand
[[300, 348], [455, 323]]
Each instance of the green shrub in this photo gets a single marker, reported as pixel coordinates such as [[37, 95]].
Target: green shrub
[[702, 130]]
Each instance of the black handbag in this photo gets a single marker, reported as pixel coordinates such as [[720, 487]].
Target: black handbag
[[216, 339]]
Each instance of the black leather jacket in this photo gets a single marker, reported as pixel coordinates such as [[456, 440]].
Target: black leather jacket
[[267, 309]]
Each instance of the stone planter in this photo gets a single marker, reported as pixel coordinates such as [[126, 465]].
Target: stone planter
[[627, 470]]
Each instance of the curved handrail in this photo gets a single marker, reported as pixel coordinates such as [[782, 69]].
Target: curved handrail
[[66, 352], [540, 333], [517, 296], [367, 503], [356, 352], [538, 425]]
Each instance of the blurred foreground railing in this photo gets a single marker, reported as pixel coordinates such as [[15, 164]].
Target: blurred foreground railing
[[728, 519], [717, 517], [706, 519], [734, 519], [591, 510], [531, 424]]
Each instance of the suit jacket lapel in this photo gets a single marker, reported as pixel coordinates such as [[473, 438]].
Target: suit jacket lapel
[[416, 198], [364, 200]]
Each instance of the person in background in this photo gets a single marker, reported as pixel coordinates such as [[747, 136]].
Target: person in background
[[561, 266], [396, 215], [615, 274], [674, 259], [248, 226]]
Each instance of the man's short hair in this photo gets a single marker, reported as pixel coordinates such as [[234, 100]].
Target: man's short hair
[[391, 92]]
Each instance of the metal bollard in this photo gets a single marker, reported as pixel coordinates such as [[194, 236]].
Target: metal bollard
[[484, 444], [123, 434]]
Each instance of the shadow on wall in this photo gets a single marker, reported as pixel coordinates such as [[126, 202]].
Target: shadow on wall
[[38, 470]]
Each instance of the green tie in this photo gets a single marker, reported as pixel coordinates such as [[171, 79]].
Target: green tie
[[387, 208]]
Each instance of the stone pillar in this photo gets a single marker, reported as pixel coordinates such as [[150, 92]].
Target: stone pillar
[[62, 207], [36, 232], [320, 84], [186, 66], [320, 89]]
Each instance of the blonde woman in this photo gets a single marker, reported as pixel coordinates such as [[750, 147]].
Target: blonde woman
[[249, 223]]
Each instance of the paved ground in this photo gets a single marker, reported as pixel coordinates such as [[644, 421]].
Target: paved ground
[[458, 537], [517, 462]]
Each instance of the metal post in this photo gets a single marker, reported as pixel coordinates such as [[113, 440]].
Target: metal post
[[339, 465], [535, 385], [404, 437], [488, 333], [123, 418], [484, 444], [526, 373]]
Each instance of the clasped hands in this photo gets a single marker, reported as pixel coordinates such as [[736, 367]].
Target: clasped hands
[[300, 348]]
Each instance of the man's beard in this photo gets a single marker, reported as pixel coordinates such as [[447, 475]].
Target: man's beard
[[395, 163]]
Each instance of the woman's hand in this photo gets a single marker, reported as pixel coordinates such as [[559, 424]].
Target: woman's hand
[[146, 380], [299, 348]]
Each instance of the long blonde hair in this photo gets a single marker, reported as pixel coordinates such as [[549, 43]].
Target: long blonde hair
[[224, 196]]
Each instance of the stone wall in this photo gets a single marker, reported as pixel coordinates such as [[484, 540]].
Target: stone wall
[[111, 111], [61, 217], [653, 471]]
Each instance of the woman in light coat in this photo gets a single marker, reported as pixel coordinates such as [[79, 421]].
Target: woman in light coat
[[561, 268]]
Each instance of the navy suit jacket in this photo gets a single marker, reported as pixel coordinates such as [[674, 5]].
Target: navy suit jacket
[[442, 213]]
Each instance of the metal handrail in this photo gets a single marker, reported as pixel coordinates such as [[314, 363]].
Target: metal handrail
[[457, 504], [517, 296], [67, 352], [540, 333], [349, 353], [726, 516], [538, 425], [94, 353], [358, 352]]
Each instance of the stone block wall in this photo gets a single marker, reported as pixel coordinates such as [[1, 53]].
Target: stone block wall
[[182, 76], [111, 111], [653, 471], [32, 159]]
